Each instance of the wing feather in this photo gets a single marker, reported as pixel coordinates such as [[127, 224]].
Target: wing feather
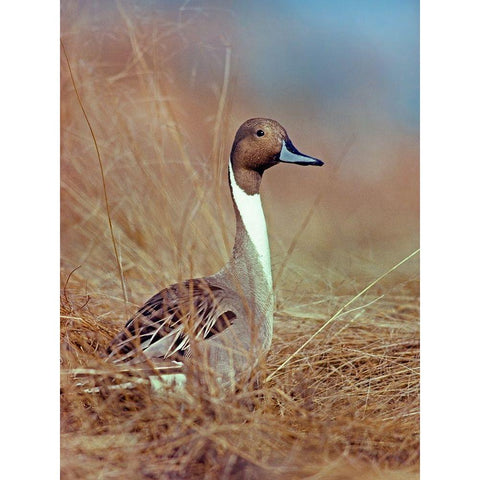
[[165, 325]]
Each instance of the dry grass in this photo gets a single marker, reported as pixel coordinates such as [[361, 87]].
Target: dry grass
[[348, 402], [346, 406]]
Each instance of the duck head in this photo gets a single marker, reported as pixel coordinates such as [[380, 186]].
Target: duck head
[[261, 143]]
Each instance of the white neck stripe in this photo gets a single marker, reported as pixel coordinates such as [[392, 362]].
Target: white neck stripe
[[251, 211]]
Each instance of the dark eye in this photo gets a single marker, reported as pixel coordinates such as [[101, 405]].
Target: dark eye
[[260, 133]]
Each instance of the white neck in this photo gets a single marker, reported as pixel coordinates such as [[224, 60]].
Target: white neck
[[251, 211]]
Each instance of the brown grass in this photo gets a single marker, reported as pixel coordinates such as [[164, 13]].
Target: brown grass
[[346, 406], [348, 402]]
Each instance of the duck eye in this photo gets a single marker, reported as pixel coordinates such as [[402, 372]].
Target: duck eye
[[260, 133]]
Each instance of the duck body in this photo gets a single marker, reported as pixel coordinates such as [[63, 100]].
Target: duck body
[[224, 321]]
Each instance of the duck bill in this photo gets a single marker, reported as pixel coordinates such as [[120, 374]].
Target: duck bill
[[289, 154]]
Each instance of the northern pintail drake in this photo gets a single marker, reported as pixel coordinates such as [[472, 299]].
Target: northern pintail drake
[[223, 321]]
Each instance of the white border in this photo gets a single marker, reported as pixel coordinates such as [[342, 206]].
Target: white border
[[30, 239], [450, 239]]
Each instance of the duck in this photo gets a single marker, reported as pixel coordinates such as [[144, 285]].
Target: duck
[[222, 323]]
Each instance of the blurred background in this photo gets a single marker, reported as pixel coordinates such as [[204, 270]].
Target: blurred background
[[165, 85]]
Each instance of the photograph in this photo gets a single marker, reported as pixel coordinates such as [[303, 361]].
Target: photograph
[[239, 216]]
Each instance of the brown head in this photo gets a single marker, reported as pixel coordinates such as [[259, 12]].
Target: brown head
[[261, 143]]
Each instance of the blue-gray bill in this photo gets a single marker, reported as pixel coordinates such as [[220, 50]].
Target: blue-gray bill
[[289, 154]]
